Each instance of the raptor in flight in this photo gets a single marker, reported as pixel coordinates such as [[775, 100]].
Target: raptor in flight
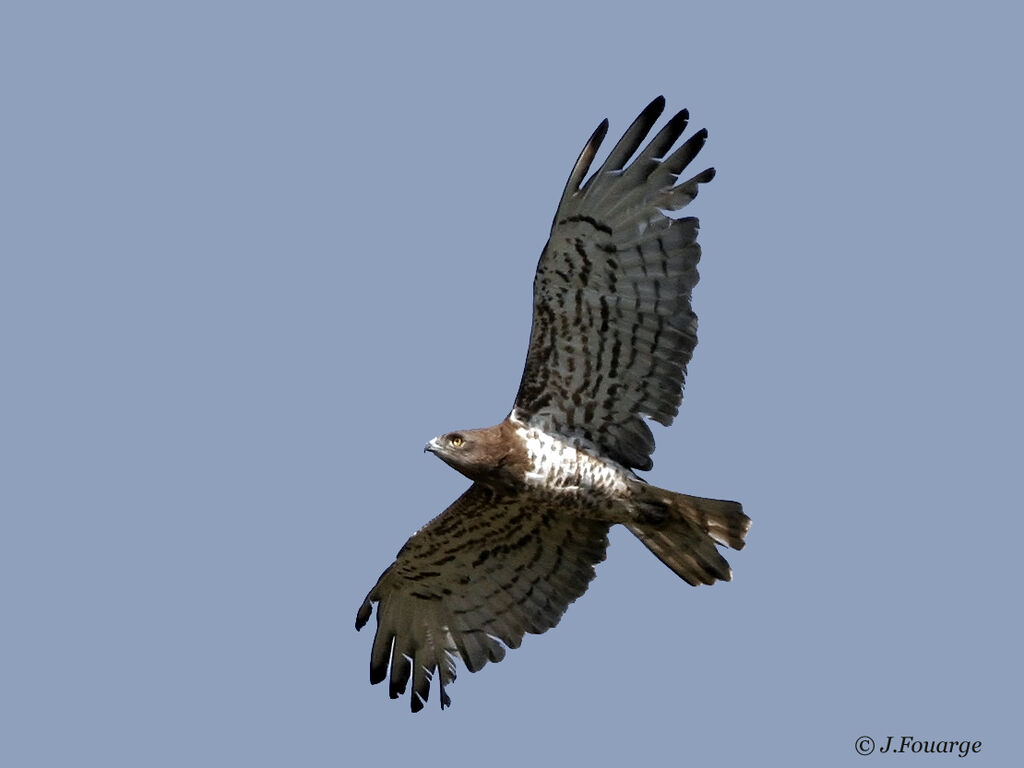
[[613, 331]]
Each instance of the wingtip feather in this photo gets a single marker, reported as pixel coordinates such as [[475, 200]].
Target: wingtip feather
[[586, 157], [363, 615]]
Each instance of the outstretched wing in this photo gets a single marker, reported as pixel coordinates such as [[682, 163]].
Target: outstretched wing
[[489, 568], [613, 328]]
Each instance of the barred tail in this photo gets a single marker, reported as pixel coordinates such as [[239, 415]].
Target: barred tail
[[682, 531]]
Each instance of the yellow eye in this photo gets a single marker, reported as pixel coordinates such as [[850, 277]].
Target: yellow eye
[[455, 441]]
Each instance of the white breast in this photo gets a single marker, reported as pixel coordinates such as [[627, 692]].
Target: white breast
[[559, 465]]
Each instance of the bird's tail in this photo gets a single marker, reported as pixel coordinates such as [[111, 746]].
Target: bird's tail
[[683, 530]]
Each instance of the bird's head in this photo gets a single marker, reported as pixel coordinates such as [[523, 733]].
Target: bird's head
[[461, 450], [482, 455]]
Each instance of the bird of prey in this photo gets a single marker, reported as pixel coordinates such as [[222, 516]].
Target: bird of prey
[[613, 330]]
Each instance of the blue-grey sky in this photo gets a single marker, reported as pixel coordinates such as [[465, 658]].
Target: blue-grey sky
[[254, 255]]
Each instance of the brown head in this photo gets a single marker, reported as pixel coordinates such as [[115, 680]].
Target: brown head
[[494, 456]]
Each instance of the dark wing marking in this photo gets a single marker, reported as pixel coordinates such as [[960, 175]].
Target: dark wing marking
[[488, 569], [613, 328]]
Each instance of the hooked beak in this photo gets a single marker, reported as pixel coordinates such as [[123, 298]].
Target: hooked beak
[[432, 447]]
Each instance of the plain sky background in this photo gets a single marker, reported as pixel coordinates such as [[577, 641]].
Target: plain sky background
[[254, 255]]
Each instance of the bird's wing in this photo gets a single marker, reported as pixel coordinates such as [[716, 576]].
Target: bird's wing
[[474, 580], [613, 328]]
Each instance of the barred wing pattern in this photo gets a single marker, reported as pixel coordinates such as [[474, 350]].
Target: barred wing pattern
[[613, 328], [489, 568]]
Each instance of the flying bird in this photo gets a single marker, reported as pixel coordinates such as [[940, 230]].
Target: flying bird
[[613, 330]]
